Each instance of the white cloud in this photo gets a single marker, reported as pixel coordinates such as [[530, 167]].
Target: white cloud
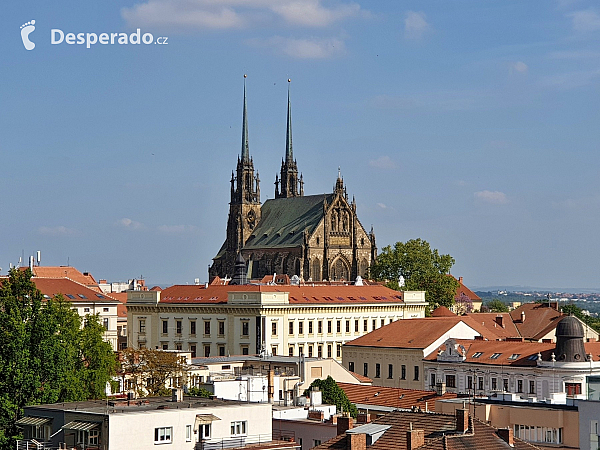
[[494, 197], [130, 224], [415, 25], [312, 13], [57, 231], [518, 67], [383, 162], [382, 205], [176, 229], [303, 48], [585, 21], [228, 14]]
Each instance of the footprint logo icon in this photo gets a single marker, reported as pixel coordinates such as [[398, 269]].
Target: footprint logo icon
[[26, 30]]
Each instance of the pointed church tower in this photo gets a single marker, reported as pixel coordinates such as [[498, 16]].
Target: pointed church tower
[[290, 186], [244, 207]]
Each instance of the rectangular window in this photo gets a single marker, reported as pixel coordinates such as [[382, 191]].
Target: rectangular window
[[403, 372], [416, 378], [301, 327], [291, 327], [531, 386], [178, 327], [480, 383], [505, 384], [347, 326], [320, 327], [193, 327], [142, 326], [245, 328], [329, 353], [338, 327], [319, 351], [221, 328], [469, 382], [390, 371], [329, 329], [165, 346], [163, 435], [207, 327], [374, 324], [377, 370], [238, 428], [93, 438], [273, 328], [520, 386], [206, 351], [193, 350], [432, 380], [165, 327], [291, 351], [338, 351], [573, 388], [310, 351], [366, 369], [178, 346], [365, 325], [105, 323], [274, 350], [310, 327], [245, 350], [351, 366], [382, 322], [451, 381], [221, 350], [205, 431], [301, 350], [188, 433], [494, 384], [356, 326]]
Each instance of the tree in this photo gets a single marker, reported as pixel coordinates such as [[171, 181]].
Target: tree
[[333, 395], [464, 305], [422, 269], [150, 369], [497, 306], [45, 355]]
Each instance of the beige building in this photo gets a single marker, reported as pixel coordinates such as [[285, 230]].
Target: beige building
[[392, 356], [304, 319]]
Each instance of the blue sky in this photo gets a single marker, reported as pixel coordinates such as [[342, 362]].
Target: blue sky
[[472, 125]]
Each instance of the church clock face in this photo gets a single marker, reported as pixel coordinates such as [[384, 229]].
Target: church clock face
[[251, 218]]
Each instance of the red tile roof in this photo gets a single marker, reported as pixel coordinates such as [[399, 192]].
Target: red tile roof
[[462, 289], [66, 272], [540, 319], [360, 378], [392, 397], [302, 294], [417, 333], [439, 430], [71, 290], [442, 311], [491, 322]]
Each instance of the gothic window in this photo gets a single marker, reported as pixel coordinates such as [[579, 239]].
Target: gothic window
[[315, 270], [363, 268], [339, 270], [297, 267]]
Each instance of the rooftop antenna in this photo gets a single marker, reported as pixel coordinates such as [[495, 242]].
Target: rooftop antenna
[[39, 257]]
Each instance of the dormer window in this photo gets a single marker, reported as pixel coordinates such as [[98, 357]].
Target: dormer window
[[477, 354], [495, 356]]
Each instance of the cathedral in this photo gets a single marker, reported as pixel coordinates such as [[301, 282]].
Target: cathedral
[[316, 237]]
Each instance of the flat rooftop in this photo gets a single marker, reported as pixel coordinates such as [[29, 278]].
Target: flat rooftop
[[120, 406]]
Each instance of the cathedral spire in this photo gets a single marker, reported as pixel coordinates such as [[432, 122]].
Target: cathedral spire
[[289, 153], [245, 150]]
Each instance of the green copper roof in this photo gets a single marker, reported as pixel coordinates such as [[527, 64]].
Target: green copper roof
[[284, 220]]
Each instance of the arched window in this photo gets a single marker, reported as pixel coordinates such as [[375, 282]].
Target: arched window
[[339, 270], [364, 265], [315, 269]]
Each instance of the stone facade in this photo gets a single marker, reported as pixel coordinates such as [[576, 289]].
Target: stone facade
[[316, 237]]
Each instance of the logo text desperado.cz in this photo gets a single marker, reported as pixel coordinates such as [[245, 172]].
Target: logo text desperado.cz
[[89, 39]]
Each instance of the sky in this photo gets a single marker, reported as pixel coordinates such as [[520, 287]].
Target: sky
[[472, 125]]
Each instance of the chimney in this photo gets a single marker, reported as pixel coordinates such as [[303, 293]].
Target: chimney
[[356, 441], [522, 316], [460, 280], [462, 420], [500, 320], [440, 388], [414, 438], [506, 434], [344, 423]]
